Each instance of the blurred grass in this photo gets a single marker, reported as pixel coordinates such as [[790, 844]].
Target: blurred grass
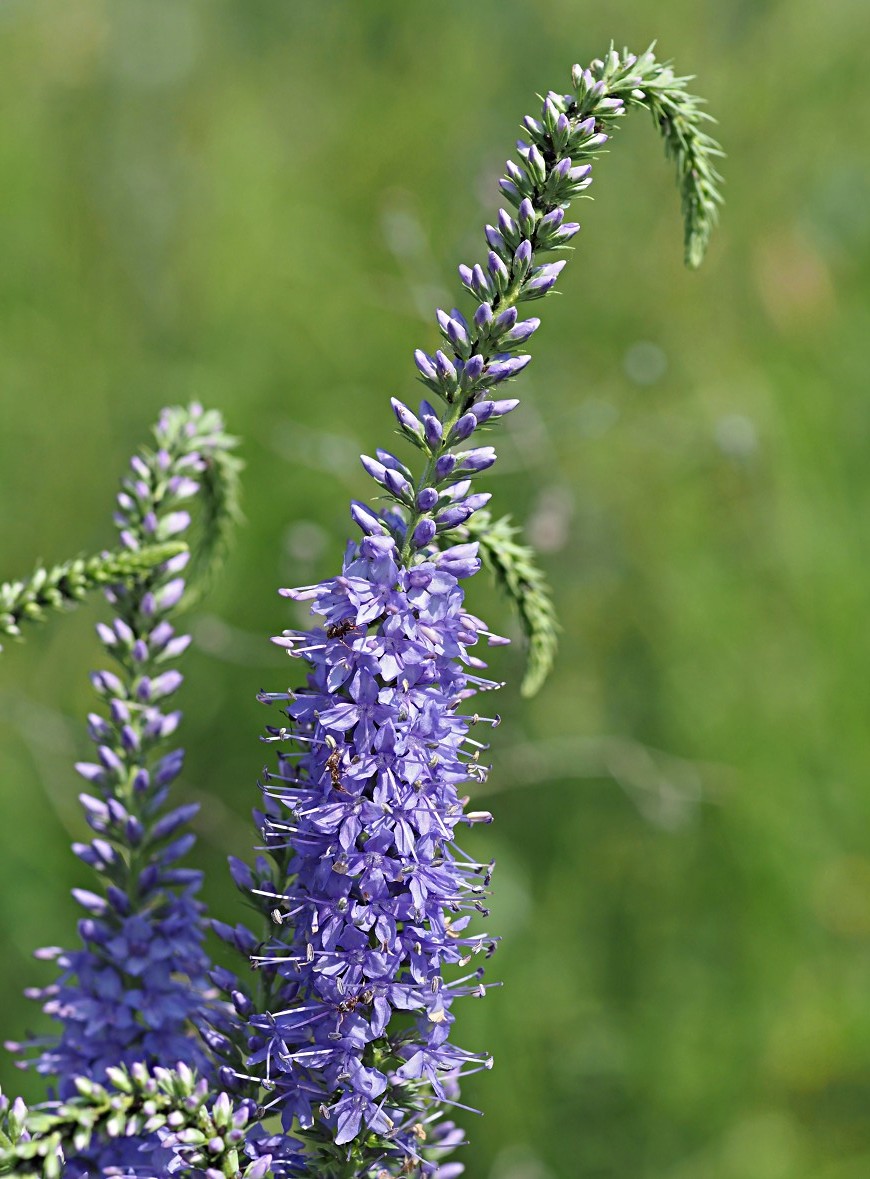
[[259, 205]]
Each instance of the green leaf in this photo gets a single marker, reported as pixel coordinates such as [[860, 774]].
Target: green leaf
[[516, 572], [221, 513], [680, 118]]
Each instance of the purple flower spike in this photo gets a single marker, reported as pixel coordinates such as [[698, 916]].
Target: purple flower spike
[[133, 989], [368, 895], [381, 897]]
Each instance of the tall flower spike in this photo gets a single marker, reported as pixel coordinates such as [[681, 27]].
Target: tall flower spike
[[133, 990], [366, 892]]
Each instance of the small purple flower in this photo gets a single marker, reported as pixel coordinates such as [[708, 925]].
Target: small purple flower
[[503, 368]]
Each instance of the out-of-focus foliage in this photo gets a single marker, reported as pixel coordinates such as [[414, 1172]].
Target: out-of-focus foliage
[[259, 205]]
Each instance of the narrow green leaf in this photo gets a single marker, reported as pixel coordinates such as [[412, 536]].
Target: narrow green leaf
[[515, 569]]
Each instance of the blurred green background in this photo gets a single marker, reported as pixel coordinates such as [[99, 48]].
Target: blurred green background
[[259, 205]]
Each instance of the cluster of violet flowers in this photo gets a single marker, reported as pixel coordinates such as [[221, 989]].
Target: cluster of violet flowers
[[136, 983], [333, 1052]]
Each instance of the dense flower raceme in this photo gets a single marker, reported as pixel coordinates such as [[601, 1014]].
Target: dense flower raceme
[[135, 985], [376, 894], [368, 892]]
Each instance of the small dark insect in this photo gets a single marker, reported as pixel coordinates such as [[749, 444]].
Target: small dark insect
[[351, 1002], [340, 629], [333, 764]]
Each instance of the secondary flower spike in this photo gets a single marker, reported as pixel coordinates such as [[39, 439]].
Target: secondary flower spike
[[133, 989], [367, 892]]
